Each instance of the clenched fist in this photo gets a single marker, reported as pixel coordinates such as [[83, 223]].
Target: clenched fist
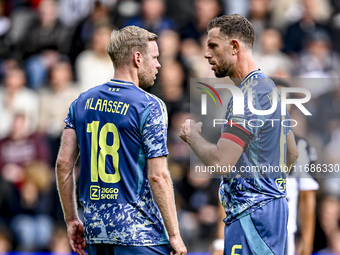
[[190, 126]]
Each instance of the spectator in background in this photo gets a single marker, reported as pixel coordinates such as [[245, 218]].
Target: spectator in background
[[241, 7], [99, 15], [333, 146], [317, 59], [181, 12], [82, 37], [194, 33], [329, 215], [269, 58], [22, 17], [205, 10], [179, 153], [153, 17], [309, 23], [5, 24], [287, 12], [124, 11], [93, 66], [172, 81], [60, 242], [192, 55], [7, 196], [326, 119], [169, 45], [54, 102], [15, 97], [43, 43], [189, 53], [21, 148], [259, 16], [5, 240], [14, 4], [198, 209], [31, 223], [334, 23], [71, 12]]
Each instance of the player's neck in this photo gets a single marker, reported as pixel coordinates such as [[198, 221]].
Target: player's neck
[[245, 67], [124, 74]]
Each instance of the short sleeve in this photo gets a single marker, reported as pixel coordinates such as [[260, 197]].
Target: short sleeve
[[69, 121], [250, 122], [154, 129]]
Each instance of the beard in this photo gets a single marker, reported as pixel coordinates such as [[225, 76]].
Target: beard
[[145, 78], [224, 69]]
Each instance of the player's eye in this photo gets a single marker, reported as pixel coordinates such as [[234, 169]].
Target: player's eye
[[211, 45]]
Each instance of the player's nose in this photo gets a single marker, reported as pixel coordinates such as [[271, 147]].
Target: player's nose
[[207, 55]]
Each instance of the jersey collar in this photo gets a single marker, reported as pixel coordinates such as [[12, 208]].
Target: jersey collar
[[249, 75], [120, 82]]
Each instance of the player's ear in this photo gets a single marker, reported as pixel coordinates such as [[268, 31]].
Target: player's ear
[[137, 59], [235, 44]]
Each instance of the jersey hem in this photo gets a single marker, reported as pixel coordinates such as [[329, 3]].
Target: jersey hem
[[105, 241], [250, 210], [158, 155]]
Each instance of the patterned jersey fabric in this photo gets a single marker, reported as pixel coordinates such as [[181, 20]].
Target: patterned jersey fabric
[[119, 126], [258, 177]]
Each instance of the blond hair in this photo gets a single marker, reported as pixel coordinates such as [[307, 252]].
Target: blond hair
[[124, 42]]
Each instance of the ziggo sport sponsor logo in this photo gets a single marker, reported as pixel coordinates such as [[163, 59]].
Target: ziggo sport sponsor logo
[[97, 193]]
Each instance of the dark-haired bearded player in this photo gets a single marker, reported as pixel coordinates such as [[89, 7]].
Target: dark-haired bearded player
[[254, 201]]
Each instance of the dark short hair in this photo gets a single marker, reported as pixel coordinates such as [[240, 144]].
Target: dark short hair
[[234, 25]]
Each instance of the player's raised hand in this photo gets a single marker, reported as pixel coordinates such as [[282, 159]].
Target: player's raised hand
[[75, 230], [177, 246], [190, 126]]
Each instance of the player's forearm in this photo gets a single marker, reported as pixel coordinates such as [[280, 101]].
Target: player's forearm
[[66, 190], [307, 204], [223, 154], [162, 189], [67, 157], [204, 150]]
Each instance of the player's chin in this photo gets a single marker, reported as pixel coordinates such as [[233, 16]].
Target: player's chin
[[147, 85], [220, 74]]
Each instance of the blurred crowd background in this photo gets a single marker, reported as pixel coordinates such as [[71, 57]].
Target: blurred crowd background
[[50, 51]]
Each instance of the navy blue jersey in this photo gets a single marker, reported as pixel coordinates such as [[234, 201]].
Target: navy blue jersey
[[119, 126], [260, 175]]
